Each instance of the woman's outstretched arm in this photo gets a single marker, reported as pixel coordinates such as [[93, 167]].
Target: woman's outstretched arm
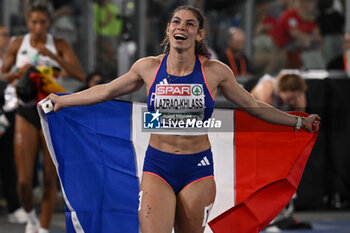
[[243, 99], [127, 83]]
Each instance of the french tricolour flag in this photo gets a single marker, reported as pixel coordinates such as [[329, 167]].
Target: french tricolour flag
[[98, 151]]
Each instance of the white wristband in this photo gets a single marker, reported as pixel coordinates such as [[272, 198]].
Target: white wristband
[[47, 106], [298, 125]]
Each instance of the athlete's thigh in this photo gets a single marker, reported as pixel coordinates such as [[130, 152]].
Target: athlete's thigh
[[194, 203], [26, 144], [157, 205], [49, 167]]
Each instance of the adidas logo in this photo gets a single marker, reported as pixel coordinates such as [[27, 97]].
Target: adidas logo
[[204, 162], [164, 82]]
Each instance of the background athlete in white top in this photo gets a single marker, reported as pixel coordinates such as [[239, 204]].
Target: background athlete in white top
[[35, 49]]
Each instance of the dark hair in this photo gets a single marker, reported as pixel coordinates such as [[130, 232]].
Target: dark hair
[[37, 6], [201, 47]]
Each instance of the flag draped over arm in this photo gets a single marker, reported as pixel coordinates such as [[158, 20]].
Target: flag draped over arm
[[98, 152]]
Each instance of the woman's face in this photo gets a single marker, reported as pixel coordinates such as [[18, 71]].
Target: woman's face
[[38, 23], [290, 97], [183, 30]]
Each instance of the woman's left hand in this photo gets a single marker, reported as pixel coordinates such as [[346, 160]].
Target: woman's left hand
[[311, 123], [46, 52]]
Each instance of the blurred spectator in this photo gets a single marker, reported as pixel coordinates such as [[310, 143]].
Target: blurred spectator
[[266, 57], [330, 20], [63, 22], [8, 172], [296, 31], [286, 92], [108, 26], [234, 56], [278, 7], [221, 15], [92, 79], [108, 21], [342, 61], [331, 23], [264, 21], [42, 56]]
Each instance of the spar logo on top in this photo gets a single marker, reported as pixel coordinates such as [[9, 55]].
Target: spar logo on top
[[179, 89], [180, 98], [178, 106]]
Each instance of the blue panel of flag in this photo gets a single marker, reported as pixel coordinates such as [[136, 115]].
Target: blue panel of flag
[[97, 167]]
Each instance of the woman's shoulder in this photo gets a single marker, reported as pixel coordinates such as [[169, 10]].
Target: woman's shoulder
[[149, 62], [60, 42], [266, 84], [17, 39], [15, 42]]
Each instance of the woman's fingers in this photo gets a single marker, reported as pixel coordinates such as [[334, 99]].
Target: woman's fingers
[[315, 123], [49, 103]]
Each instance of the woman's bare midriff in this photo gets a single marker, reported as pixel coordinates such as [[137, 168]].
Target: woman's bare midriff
[[179, 144]]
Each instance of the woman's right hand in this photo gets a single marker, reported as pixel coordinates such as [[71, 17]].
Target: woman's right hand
[[56, 101]]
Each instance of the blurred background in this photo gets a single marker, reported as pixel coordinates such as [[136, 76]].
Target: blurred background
[[248, 29]]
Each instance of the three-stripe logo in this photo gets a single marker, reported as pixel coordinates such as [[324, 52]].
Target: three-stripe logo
[[204, 162]]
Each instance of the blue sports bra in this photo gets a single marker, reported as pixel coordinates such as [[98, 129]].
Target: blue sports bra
[[181, 98]]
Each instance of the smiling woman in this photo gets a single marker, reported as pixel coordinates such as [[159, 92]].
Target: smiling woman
[[175, 191], [201, 46]]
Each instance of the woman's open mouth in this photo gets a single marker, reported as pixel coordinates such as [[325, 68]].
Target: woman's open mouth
[[180, 37]]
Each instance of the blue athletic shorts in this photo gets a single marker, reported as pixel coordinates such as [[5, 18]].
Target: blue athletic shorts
[[178, 170]]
